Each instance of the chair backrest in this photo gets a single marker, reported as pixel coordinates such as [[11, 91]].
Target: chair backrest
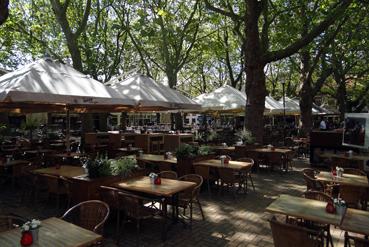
[[275, 158], [227, 175], [358, 242], [317, 195], [354, 171], [195, 191], [168, 174], [287, 235], [352, 195], [131, 204], [109, 195], [203, 171], [90, 215], [309, 172], [51, 181], [312, 184], [164, 166], [8, 222]]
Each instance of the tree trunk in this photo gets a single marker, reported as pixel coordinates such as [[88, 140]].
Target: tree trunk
[[255, 77], [4, 10], [341, 98], [306, 104]]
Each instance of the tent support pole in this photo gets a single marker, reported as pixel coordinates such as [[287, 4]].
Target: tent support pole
[[67, 134]]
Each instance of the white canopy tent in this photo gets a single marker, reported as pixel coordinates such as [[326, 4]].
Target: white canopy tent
[[225, 99], [49, 83], [229, 99], [46, 85], [150, 95], [293, 107]]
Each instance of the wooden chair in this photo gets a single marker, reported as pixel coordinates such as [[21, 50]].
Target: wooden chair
[[352, 195], [357, 242], [275, 159], [109, 195], [168, 174], [90, 215], [134, 209], [58, 186], [204, 172], [8, 222], [288, 235], [230, 179], [320, 196], [164, 166], [191, 196], [246, 173]]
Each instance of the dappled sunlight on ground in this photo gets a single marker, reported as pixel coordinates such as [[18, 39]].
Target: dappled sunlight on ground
[[229, 221]]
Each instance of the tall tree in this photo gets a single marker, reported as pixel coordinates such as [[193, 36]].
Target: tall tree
[[260, 19], [4, 10]]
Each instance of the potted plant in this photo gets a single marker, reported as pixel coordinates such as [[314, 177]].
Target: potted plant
[[99, 167], [123, 167], [187, 154], [30, 125], [246, 136]]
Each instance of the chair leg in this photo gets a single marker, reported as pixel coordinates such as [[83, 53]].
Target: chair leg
[[252, 182], [138, 232], [200, 207], [191, 215]]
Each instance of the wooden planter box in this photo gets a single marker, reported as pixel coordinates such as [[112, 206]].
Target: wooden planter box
[[84, 188], [185, 166]]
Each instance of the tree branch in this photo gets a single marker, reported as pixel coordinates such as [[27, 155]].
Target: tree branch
[[303, 41]]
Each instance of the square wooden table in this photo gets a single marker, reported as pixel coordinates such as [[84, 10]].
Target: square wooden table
[[54, 232], [268, 150], [155, 158], [346, 179], [235, 165], [300, 207], [142, 184], [64, 171], [356, 221]]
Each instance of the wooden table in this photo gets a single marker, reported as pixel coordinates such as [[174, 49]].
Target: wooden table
[[304, 208], [64, 170], [268, 150], [127, 151], [39, 151], [356, 221], [360, 160], [169, 188], [173, 141], [155, 158], [235, 165], [224, 150], [142, 184], [346, 179], [66, 155], [14, 163], [54, 232]]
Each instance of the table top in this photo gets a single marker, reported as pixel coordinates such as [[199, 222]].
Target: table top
[[268, 150], [39, 151], [223, 148], [64, 170], [15, 163], [235, 165], [66, 155], [346, 179], [156, 158], [54, 232], [180, 135], [356, 221], [343, 156], [131, 149], [167, 188], [304, 208]]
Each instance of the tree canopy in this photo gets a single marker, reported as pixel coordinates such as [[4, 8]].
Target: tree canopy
[[318, 48]]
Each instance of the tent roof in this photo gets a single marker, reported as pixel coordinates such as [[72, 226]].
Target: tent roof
[[225, 98], [293, 106], [46, 82], [152, 95]]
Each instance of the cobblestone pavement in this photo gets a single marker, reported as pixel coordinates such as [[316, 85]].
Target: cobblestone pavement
[[229, 221]]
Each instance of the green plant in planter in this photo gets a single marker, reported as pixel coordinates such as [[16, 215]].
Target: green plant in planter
[[246, 136], [205, 150], [99, 167], [30, 124], [123, 166], [186, 151], [3, 129]]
